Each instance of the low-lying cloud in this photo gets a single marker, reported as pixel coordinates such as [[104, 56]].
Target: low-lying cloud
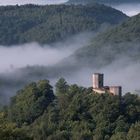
[[22, 2], [122, 72], [130, 9], [33, 54], [57, 62], [30, 55]]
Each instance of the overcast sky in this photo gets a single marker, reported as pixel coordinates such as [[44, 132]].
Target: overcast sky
[[21, 2]]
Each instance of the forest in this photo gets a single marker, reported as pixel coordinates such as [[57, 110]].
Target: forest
[[117, 42], [52, 23], [41, 110], [69, 112]]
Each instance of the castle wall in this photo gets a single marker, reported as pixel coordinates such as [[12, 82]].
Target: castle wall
[[99, 91], [98, 86], [116, 90]]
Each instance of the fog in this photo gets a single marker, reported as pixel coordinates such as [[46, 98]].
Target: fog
[[123, 72], [33, 54], [30, 55], [26, 63], [130, 9], [22, 64], [22, 2]]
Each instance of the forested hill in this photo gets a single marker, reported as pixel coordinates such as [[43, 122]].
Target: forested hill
[[102, 1], [127, 32], [46, 24], [123, 40], [73, 113]]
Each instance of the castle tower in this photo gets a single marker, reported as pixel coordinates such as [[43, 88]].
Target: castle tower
[[98, 80], [116, 90]]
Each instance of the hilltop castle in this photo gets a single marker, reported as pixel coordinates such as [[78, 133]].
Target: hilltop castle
[[98, 86]]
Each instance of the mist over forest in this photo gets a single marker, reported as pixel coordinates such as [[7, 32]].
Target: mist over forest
[[33, 54], [37, 62], [49, 51], [70, 60]]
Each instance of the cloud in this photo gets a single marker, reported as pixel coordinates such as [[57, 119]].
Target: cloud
[[58, 62], [30, 54], [33, 54], [122, 72], [14, 73], [130, 9], [22, 2]]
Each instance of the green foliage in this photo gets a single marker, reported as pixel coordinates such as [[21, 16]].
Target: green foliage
[[61, 86], [134, 132], [9, 130], [132, 109], [30, 102], [46, 24], [76, 114], [86, 115], [119, 136], [122, 40]]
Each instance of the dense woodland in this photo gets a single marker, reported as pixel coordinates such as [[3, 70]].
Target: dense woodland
[[70, 112], [47, 24], [114, 43]]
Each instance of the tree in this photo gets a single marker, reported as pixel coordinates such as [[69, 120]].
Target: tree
[[61, 87], [9, 130], [30, 102], [119, 136], [134, 132]]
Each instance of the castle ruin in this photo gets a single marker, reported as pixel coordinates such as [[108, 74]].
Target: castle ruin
[[98, 86]]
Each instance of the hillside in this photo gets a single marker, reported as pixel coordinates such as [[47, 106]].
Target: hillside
[[101, 1], [120, 41], [73, 113], [46, 24]]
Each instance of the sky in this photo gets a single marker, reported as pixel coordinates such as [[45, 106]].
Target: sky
[[21, 2]]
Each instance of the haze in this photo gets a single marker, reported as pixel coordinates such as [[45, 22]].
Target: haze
[[129, 9], [122, 72], [33, 54], [22, 2]]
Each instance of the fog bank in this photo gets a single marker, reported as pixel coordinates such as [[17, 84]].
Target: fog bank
[[123, 72], [55, 61], [33, 54], [30, 55]]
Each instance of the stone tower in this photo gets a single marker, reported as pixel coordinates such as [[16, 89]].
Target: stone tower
[[116, 90], [98, 80]]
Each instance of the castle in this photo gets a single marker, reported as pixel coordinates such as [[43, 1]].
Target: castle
[[98, 86]]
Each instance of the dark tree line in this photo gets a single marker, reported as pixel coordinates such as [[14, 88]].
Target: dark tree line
[[47, 24], [71, 113]]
